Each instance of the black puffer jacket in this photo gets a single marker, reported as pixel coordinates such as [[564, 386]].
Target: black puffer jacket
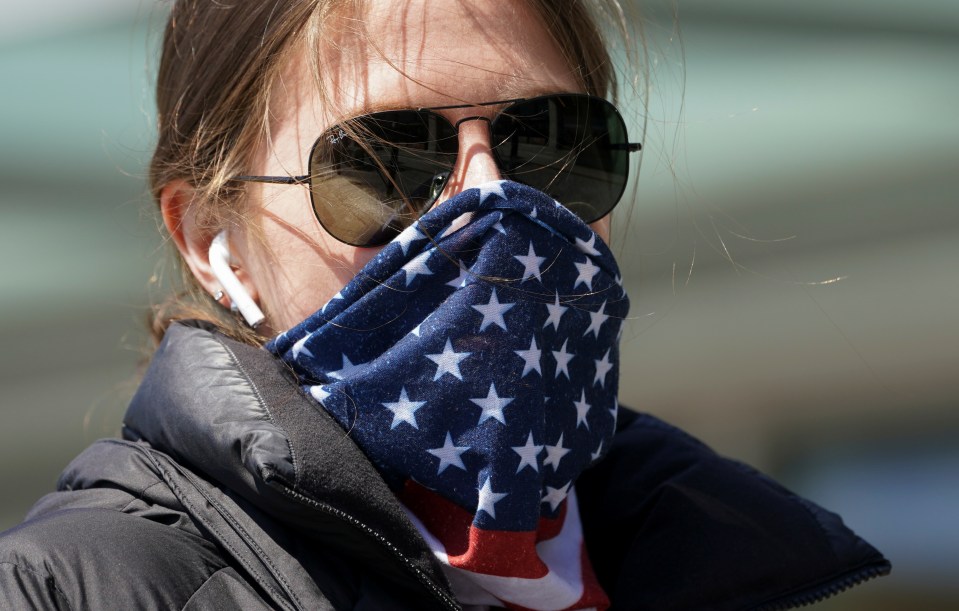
[[232, 490]]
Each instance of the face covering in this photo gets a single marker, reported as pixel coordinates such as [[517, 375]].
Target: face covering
[[475, 361]]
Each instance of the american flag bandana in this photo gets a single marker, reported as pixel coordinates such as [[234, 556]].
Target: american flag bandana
[[475, 362]]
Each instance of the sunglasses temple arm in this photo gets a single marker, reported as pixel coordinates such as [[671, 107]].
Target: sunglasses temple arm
[[275, 180], [629, 147]]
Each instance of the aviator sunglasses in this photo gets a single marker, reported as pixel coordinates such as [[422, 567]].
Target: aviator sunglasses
[[373, 175]]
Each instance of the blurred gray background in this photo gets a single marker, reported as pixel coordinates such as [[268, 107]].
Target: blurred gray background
[[792, 254]]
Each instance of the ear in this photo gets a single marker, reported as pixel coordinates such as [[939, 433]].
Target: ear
[[192, 240]]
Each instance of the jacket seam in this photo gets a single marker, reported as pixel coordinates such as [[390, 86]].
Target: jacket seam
[[805, 504], [259, 398], [168, 478], [139, 496], [47, 578], [202, 585], [823, 530], [379, 537], [260, 553]]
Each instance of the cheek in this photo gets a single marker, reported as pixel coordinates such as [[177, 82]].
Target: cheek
[[602, 227], [297, 267]]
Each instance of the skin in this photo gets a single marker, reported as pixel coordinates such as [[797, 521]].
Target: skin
[[420, 53]]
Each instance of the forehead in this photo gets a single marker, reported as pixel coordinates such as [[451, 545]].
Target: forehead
[[391, 54]]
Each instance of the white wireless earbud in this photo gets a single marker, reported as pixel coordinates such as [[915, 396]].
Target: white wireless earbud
[[220, 265]]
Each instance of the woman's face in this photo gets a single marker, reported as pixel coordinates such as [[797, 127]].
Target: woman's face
[[418, 53]]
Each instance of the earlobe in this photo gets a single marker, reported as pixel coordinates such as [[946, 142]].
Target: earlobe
[[194, 242]]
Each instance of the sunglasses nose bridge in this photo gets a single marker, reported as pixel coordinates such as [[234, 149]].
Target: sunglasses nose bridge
[[459, 122], [475, 162]]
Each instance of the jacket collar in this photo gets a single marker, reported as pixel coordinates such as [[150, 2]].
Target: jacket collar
[[235, 414]]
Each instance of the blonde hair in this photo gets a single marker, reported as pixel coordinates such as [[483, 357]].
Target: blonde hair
[[218, 67]]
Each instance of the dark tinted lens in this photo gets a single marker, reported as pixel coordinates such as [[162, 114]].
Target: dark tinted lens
[[572, 147], [373, 176]]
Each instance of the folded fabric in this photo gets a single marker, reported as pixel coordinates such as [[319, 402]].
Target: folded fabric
[[474, 360]]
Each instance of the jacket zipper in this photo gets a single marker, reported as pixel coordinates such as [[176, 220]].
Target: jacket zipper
[[442, 596], [825, 590]]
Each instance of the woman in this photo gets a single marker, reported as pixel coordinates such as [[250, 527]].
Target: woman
[[433, 422]]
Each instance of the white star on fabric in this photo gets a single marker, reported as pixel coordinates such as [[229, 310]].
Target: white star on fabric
[[458, 223], [492, 406], [408, 236], [531, 358], [587, 271], [319, 393], [417, 267], [603, 367], [588, 248], [460, 281], [491, 188], [594, 456], [596, 320], [582, 408], [416, 330], [404, 410], [532, 213], [555, 496], [555, 453], [556, 312], [527, 454], [332, 299], [619, 280], [493, 312], [300, 348], [448, 362], [488, 499], [347, 370], [614, 410], [562, 360], [531, 264], [449, 455]]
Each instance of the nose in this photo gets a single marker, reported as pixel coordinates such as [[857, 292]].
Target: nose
[[475, 163]]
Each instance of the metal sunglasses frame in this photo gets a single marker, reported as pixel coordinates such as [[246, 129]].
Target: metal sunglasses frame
[[629, 147]]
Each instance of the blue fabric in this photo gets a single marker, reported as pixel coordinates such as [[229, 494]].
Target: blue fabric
[[476, 355]]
